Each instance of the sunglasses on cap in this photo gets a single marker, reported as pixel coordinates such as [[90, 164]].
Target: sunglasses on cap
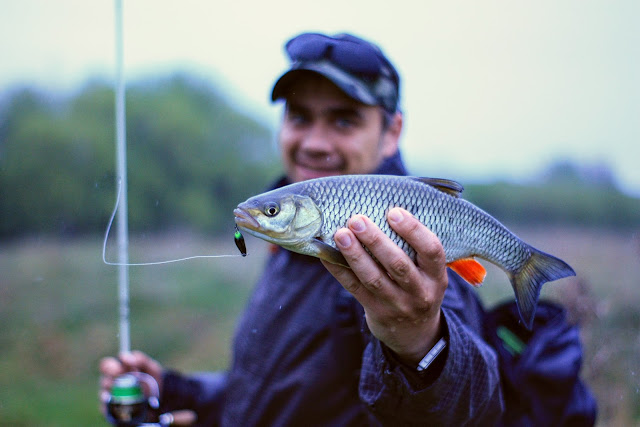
[[350, 53]]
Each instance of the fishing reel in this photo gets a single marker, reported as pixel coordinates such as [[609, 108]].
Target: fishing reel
[[128, 406]]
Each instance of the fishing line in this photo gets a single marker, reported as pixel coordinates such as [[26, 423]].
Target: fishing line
[[238, 239]]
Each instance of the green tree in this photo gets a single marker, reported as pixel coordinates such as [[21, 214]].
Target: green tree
[[191, 158]]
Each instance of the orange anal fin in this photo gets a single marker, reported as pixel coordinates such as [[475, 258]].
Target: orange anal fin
[[470, 270]]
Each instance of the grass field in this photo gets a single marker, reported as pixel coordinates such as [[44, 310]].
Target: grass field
[[58, 315]]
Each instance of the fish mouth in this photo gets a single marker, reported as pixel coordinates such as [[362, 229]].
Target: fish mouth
[[245, 220]]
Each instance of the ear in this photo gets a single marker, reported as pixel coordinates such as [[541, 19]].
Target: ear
[[391, 135]]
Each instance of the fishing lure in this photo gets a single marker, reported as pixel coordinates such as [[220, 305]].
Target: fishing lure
[[239, 240]]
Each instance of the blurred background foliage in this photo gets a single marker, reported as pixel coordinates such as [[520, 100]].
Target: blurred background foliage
[[192, 157]]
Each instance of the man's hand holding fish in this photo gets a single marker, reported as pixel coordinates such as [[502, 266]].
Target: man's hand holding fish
[[401, 299]]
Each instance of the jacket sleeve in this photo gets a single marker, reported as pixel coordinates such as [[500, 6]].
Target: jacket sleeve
[[203, 393], [461, 387], [540, 368]]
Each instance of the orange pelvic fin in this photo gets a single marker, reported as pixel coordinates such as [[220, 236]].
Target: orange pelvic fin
[[470, 270]]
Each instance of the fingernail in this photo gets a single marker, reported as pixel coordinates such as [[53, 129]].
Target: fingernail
[[395, 215], [343, 240], [357, 224]]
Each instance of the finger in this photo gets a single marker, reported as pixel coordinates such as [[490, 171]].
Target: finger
[[369, 301], [139, 361], [111, 367], [393, 259], [106, 382], [345, 276], [349, 281], [430, 255], [365, 268], [104, 397]]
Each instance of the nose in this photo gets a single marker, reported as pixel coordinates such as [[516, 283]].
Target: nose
[[316, 139]]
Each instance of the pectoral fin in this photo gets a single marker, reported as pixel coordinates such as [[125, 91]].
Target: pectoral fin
[[328, 253], [470, 270]]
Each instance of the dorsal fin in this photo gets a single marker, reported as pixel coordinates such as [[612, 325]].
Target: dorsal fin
[[448, 186]]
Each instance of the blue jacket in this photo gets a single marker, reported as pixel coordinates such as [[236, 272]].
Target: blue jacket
[[302, 355]]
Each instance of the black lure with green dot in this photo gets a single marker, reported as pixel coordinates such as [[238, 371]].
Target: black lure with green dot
[[237, 237]]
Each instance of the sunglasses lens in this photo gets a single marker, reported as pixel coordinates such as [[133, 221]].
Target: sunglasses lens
[[350, 55], [356, 58], [362, 60]]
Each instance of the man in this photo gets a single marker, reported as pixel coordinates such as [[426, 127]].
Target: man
[[388, 341]]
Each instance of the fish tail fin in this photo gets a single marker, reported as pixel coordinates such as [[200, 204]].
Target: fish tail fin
[[527, 283]]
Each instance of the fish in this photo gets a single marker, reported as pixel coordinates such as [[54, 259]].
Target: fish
[[303, 217]]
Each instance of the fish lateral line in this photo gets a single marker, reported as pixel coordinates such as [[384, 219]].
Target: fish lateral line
[[106, 238]]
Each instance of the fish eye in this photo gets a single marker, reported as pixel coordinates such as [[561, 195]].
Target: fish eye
[[271, 209]]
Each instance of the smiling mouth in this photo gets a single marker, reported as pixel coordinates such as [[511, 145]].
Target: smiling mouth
[[319, 163], [308, 170]]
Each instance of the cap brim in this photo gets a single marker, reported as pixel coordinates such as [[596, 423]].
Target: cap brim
[[350, 85]]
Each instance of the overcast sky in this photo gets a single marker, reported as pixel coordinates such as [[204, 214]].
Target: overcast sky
[[491, 89]]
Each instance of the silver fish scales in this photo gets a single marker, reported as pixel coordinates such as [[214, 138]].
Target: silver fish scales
[[303, 217], [462, 227]]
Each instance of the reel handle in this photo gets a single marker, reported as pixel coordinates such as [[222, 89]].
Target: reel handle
[[181, 418]]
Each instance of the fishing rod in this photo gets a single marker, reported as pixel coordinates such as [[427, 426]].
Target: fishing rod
[[127, 405]]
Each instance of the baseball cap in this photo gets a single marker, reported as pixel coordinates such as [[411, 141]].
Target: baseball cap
[[356, 66]]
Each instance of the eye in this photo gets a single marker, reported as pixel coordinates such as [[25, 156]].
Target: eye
[[344, 123], [297, 117], [271, 209]]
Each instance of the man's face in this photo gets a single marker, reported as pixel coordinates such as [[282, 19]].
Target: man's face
[[324, 132]]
